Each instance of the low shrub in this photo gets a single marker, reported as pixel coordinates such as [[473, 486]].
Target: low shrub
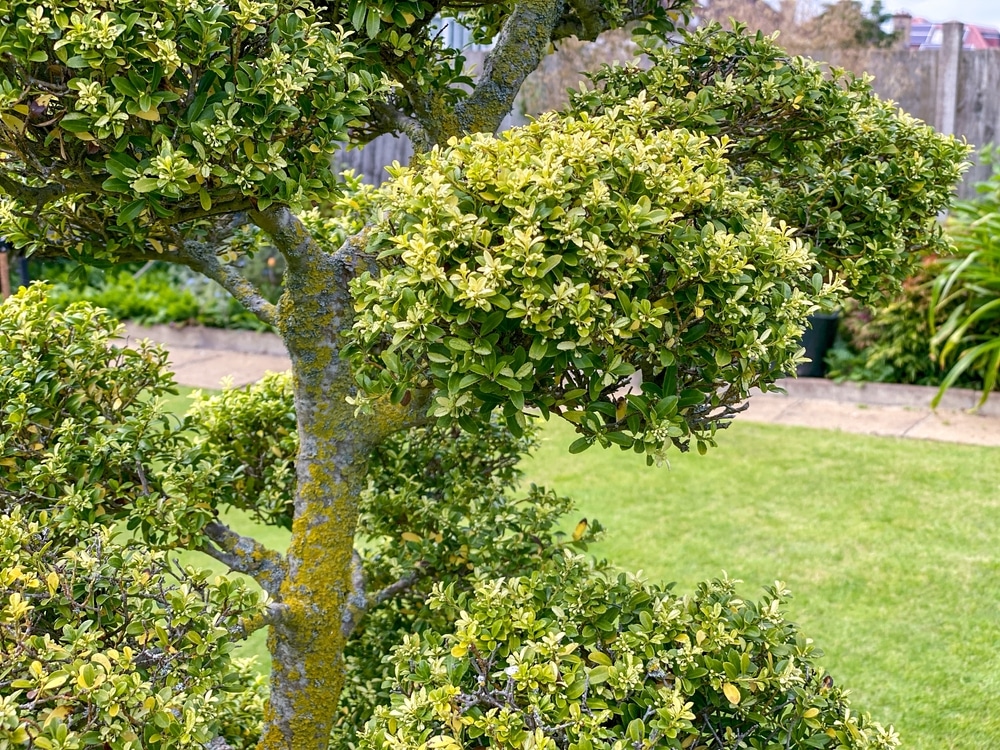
[[965, 297], [890, 343], [103, 639]]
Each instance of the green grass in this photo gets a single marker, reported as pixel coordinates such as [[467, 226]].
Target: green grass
[[178, 403], [892, 548]]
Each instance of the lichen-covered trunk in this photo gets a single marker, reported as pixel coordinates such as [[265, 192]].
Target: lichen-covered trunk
[[307, 644]]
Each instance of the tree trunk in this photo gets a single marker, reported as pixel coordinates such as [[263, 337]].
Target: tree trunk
[[322, 598], [307, 645]]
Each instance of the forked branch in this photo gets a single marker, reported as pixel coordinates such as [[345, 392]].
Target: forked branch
[[361, 602], [519, 48], [246, 555]]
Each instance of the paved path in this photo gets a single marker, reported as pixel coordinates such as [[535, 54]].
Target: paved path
[[879, 409], [203, 357]]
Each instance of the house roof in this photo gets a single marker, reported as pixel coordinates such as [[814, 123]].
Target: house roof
[[926, 34]]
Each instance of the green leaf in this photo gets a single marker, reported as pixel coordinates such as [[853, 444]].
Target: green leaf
[[620, 438], [549, 263], [539, 348], [130, 212], [145, 185], [124, 86], [577, 689], [358, 15], [598, 675], [373, 24], [599, 657]]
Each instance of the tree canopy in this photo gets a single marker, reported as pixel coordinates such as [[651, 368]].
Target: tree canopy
[[671, 229]]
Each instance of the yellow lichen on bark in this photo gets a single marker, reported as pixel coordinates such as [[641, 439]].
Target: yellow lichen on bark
[[317, 595]]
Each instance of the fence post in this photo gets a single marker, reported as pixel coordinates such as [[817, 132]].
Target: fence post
[[949, 61], [901, 27], [4, 274]]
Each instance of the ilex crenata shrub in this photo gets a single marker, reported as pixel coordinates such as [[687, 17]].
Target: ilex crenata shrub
[[680, 221], [504, 637], [573, 657], [106, 640]]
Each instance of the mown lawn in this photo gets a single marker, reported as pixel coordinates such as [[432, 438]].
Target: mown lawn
[[891, 547]]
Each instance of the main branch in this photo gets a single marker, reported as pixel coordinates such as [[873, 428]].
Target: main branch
[[203, 259], [390, 120], [31, 196], [520, 46], [246, 555]]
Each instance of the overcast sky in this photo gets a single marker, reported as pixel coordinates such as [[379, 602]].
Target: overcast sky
[[981, 12]]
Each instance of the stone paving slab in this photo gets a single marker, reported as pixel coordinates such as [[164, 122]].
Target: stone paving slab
[[202, 337], [957, 427], [886, 421], [836, 415], [889, 394], [207, 368], [202, 358]]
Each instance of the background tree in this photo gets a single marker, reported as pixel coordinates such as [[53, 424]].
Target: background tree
[[680, 221], [807, 26]]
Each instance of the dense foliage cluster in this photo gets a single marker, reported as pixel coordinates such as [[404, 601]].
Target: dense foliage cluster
[[158, 111], [110, 644], [250, 433], [575, 657], [103, 639], [475, 592], [861, 182], [79, 432], [541, 269]]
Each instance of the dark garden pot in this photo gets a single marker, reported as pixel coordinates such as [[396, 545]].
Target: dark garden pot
[[817, 340]]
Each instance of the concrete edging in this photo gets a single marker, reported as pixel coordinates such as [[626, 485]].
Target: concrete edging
[[202, 337], [888, 394]]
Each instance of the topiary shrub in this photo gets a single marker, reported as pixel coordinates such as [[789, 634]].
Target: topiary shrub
[[104, 640], [484, 626], [575, 657], [491, 631]]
